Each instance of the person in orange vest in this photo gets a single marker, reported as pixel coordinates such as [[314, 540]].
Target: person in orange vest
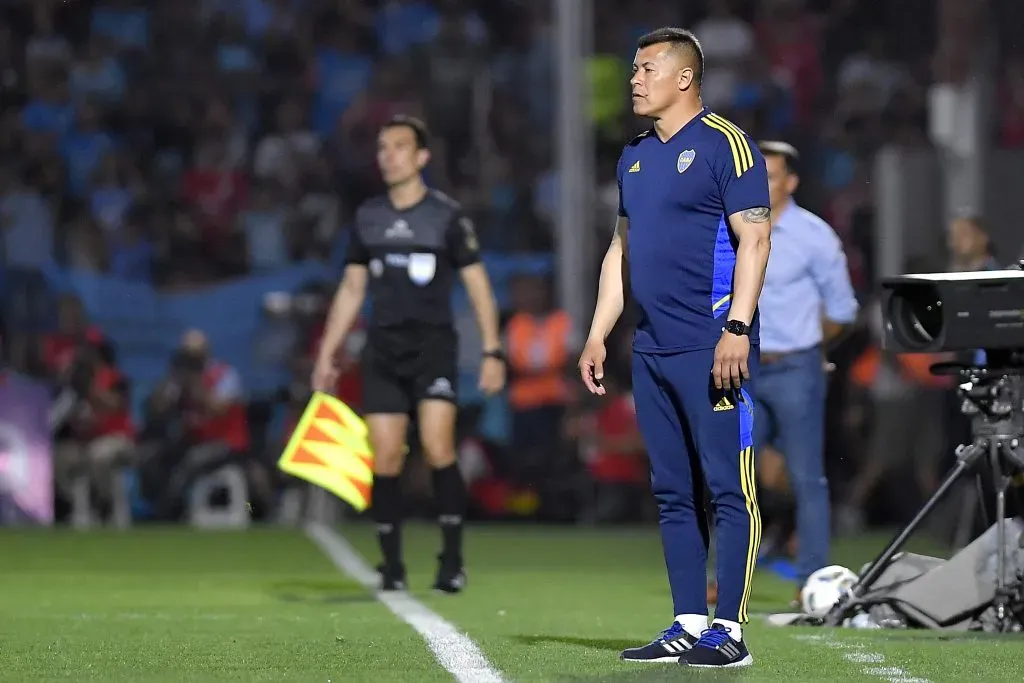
[[540, 348]]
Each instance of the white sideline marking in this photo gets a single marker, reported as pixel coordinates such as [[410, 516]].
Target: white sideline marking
[[859, 655], [453, 649]]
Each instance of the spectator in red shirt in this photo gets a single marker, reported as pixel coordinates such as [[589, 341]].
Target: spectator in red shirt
[[208, 396], [98, 436], [214, 401]]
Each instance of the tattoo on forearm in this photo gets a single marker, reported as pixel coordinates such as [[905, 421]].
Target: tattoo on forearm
[[761, 214]]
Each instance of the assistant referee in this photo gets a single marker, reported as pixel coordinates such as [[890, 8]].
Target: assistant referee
[[407, 247]]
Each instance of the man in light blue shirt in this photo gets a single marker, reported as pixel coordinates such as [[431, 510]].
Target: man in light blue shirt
[[806, 301]]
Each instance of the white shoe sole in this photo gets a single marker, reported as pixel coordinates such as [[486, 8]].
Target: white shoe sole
[[658, 660], [746, 661]]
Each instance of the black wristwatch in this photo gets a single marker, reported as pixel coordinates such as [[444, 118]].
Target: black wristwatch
[[740, 329], [495, 353]]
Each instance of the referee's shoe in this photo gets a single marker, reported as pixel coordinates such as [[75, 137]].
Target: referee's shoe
[[667, 647], [716, 649], [391, 577], [451, 577]]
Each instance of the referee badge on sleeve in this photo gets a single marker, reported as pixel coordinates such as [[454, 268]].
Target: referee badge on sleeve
[[469, 233], [422, 268], [685, 159]]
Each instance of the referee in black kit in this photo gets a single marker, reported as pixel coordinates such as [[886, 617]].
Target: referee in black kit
[[407, 247]]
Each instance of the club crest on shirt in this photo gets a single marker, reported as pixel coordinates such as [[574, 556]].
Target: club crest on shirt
[[685, 159]]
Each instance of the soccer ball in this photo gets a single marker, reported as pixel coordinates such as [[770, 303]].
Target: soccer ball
[[824, 588]]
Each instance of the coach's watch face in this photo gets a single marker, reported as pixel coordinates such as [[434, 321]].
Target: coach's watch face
[[736, 327]]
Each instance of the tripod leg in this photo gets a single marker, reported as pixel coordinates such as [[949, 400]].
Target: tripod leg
[[979, 487], [964, 462], [1001, 550], [968, 509], [965, 459], [1002, 482]]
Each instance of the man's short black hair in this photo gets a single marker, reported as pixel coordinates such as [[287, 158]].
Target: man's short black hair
[[787, 152], [417, 126], [679, 39]]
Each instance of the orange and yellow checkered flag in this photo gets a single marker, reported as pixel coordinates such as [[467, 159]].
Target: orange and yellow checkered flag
[[329, 448]]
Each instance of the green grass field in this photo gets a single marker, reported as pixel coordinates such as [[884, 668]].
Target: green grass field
[[267, 605]]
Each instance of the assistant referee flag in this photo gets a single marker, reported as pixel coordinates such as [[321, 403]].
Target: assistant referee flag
[[329, 448]]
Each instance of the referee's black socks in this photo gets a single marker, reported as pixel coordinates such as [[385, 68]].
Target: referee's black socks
[[387, 512], [450, 498]]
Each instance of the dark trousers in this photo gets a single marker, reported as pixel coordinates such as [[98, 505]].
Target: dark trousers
[[696, 434]]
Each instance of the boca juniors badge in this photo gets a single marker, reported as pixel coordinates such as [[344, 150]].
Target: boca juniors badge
[[685, 159]]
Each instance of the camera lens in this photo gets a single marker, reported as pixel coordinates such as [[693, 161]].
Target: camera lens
[[915, 313]]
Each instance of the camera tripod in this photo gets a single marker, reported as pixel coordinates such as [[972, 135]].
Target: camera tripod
[[993, 398]]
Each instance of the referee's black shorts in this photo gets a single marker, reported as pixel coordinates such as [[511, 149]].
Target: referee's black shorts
[[402, 367]]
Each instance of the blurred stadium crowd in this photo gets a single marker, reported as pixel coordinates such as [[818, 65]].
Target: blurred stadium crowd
[[177, 177]]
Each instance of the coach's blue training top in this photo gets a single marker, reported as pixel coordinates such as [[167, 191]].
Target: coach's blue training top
[[678, 195]]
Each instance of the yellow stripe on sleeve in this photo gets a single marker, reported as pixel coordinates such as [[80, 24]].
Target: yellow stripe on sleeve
[[745, 146], [736, 159], [742, 157]]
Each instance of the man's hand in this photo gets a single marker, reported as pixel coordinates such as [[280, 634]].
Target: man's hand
[[730, 368], [325, 375], [492, 376], [592, 366], [827, 366]]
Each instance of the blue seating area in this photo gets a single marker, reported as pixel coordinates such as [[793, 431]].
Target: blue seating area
[[145, 325]]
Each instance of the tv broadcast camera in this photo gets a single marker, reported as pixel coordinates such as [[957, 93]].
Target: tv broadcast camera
[[982, 586]]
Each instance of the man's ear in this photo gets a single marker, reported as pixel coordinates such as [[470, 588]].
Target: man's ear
[[685, 78], [423, 157], [792, 183]]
